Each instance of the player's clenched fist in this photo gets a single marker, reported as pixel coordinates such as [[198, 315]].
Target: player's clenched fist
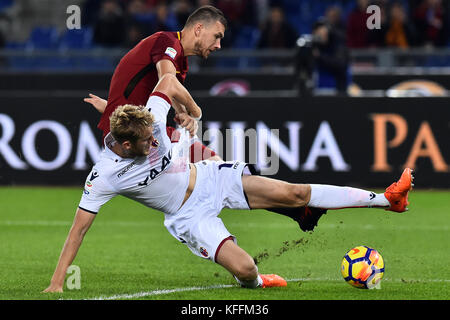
[[187, 122]]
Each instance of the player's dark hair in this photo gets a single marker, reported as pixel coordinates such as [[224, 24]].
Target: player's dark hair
[[206, 14]]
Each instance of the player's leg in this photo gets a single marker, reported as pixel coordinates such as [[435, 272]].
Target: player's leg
[[263, 193], [306, 217], [291, 200], [239, 263], [242, 266]]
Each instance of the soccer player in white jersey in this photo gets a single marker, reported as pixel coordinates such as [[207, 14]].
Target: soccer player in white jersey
[[140, 162]]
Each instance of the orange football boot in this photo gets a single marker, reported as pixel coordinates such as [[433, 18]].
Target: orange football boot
[[397, 193], [272, 280]]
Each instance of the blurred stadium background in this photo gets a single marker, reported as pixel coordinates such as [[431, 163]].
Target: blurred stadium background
[[365, 103]]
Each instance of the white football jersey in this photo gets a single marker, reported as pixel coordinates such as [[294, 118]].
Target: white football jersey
[[159, 180]]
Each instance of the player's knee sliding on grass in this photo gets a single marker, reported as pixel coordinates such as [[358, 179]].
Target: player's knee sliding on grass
[[242, 266]]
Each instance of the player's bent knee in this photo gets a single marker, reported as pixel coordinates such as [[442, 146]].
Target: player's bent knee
[[299, 194], [237, 261], [246, 271]]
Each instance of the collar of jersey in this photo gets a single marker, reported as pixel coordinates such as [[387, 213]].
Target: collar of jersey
[[112, 155]]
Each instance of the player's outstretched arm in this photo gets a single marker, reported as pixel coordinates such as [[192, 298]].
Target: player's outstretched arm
[[174, 90], [166, 69], [83, 220], [97, 102]]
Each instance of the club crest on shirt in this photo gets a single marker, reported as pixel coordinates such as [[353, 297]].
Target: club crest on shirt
[[155, 143], [204, 252], [171, 52]]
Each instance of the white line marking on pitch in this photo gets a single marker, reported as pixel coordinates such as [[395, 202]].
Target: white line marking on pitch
[[223, 286], [160, 292]]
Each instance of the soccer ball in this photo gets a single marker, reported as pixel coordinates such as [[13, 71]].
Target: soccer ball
[[363, 267]]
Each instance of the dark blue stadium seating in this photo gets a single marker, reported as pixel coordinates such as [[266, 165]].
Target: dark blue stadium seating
[[43, 38], [76, 39], [4, 4]]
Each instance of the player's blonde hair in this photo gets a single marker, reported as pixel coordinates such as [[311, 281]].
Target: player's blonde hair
[[128, 122]]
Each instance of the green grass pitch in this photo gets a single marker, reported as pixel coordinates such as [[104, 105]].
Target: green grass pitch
[[128, 254]]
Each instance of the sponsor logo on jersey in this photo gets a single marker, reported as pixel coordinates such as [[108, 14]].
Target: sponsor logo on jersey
[[171, 52], [93, 175], [204, 252], [126, 169]]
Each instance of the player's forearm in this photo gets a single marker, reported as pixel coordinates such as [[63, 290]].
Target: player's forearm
[[169, 85], [184, 97], [68, 254]]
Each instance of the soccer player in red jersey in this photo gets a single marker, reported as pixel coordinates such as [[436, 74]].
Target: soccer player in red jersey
[[140, 69]]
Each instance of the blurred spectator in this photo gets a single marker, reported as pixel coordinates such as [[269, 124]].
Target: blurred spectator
[[182, 10], [333, 15], [3, 60], [134, 35], [377, 37], [431, 23], [2, 39], [164, 19], [277, 32], [238, 14], [140, 17], [399, 32], [322, 60], [357, 31], [201, 3], [109, 29], [147, 3], [90, 11], [330, 54]]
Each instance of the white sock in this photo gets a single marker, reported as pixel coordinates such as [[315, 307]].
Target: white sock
[[334, 197], [251, 284]]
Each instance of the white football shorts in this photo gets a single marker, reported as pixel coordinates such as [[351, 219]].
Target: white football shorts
[[196, 224]]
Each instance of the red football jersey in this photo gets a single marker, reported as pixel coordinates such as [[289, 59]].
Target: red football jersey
[[136, 76]]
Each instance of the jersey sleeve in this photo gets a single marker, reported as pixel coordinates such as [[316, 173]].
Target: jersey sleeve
[[159, 106], [97, 191], [165, 47]]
